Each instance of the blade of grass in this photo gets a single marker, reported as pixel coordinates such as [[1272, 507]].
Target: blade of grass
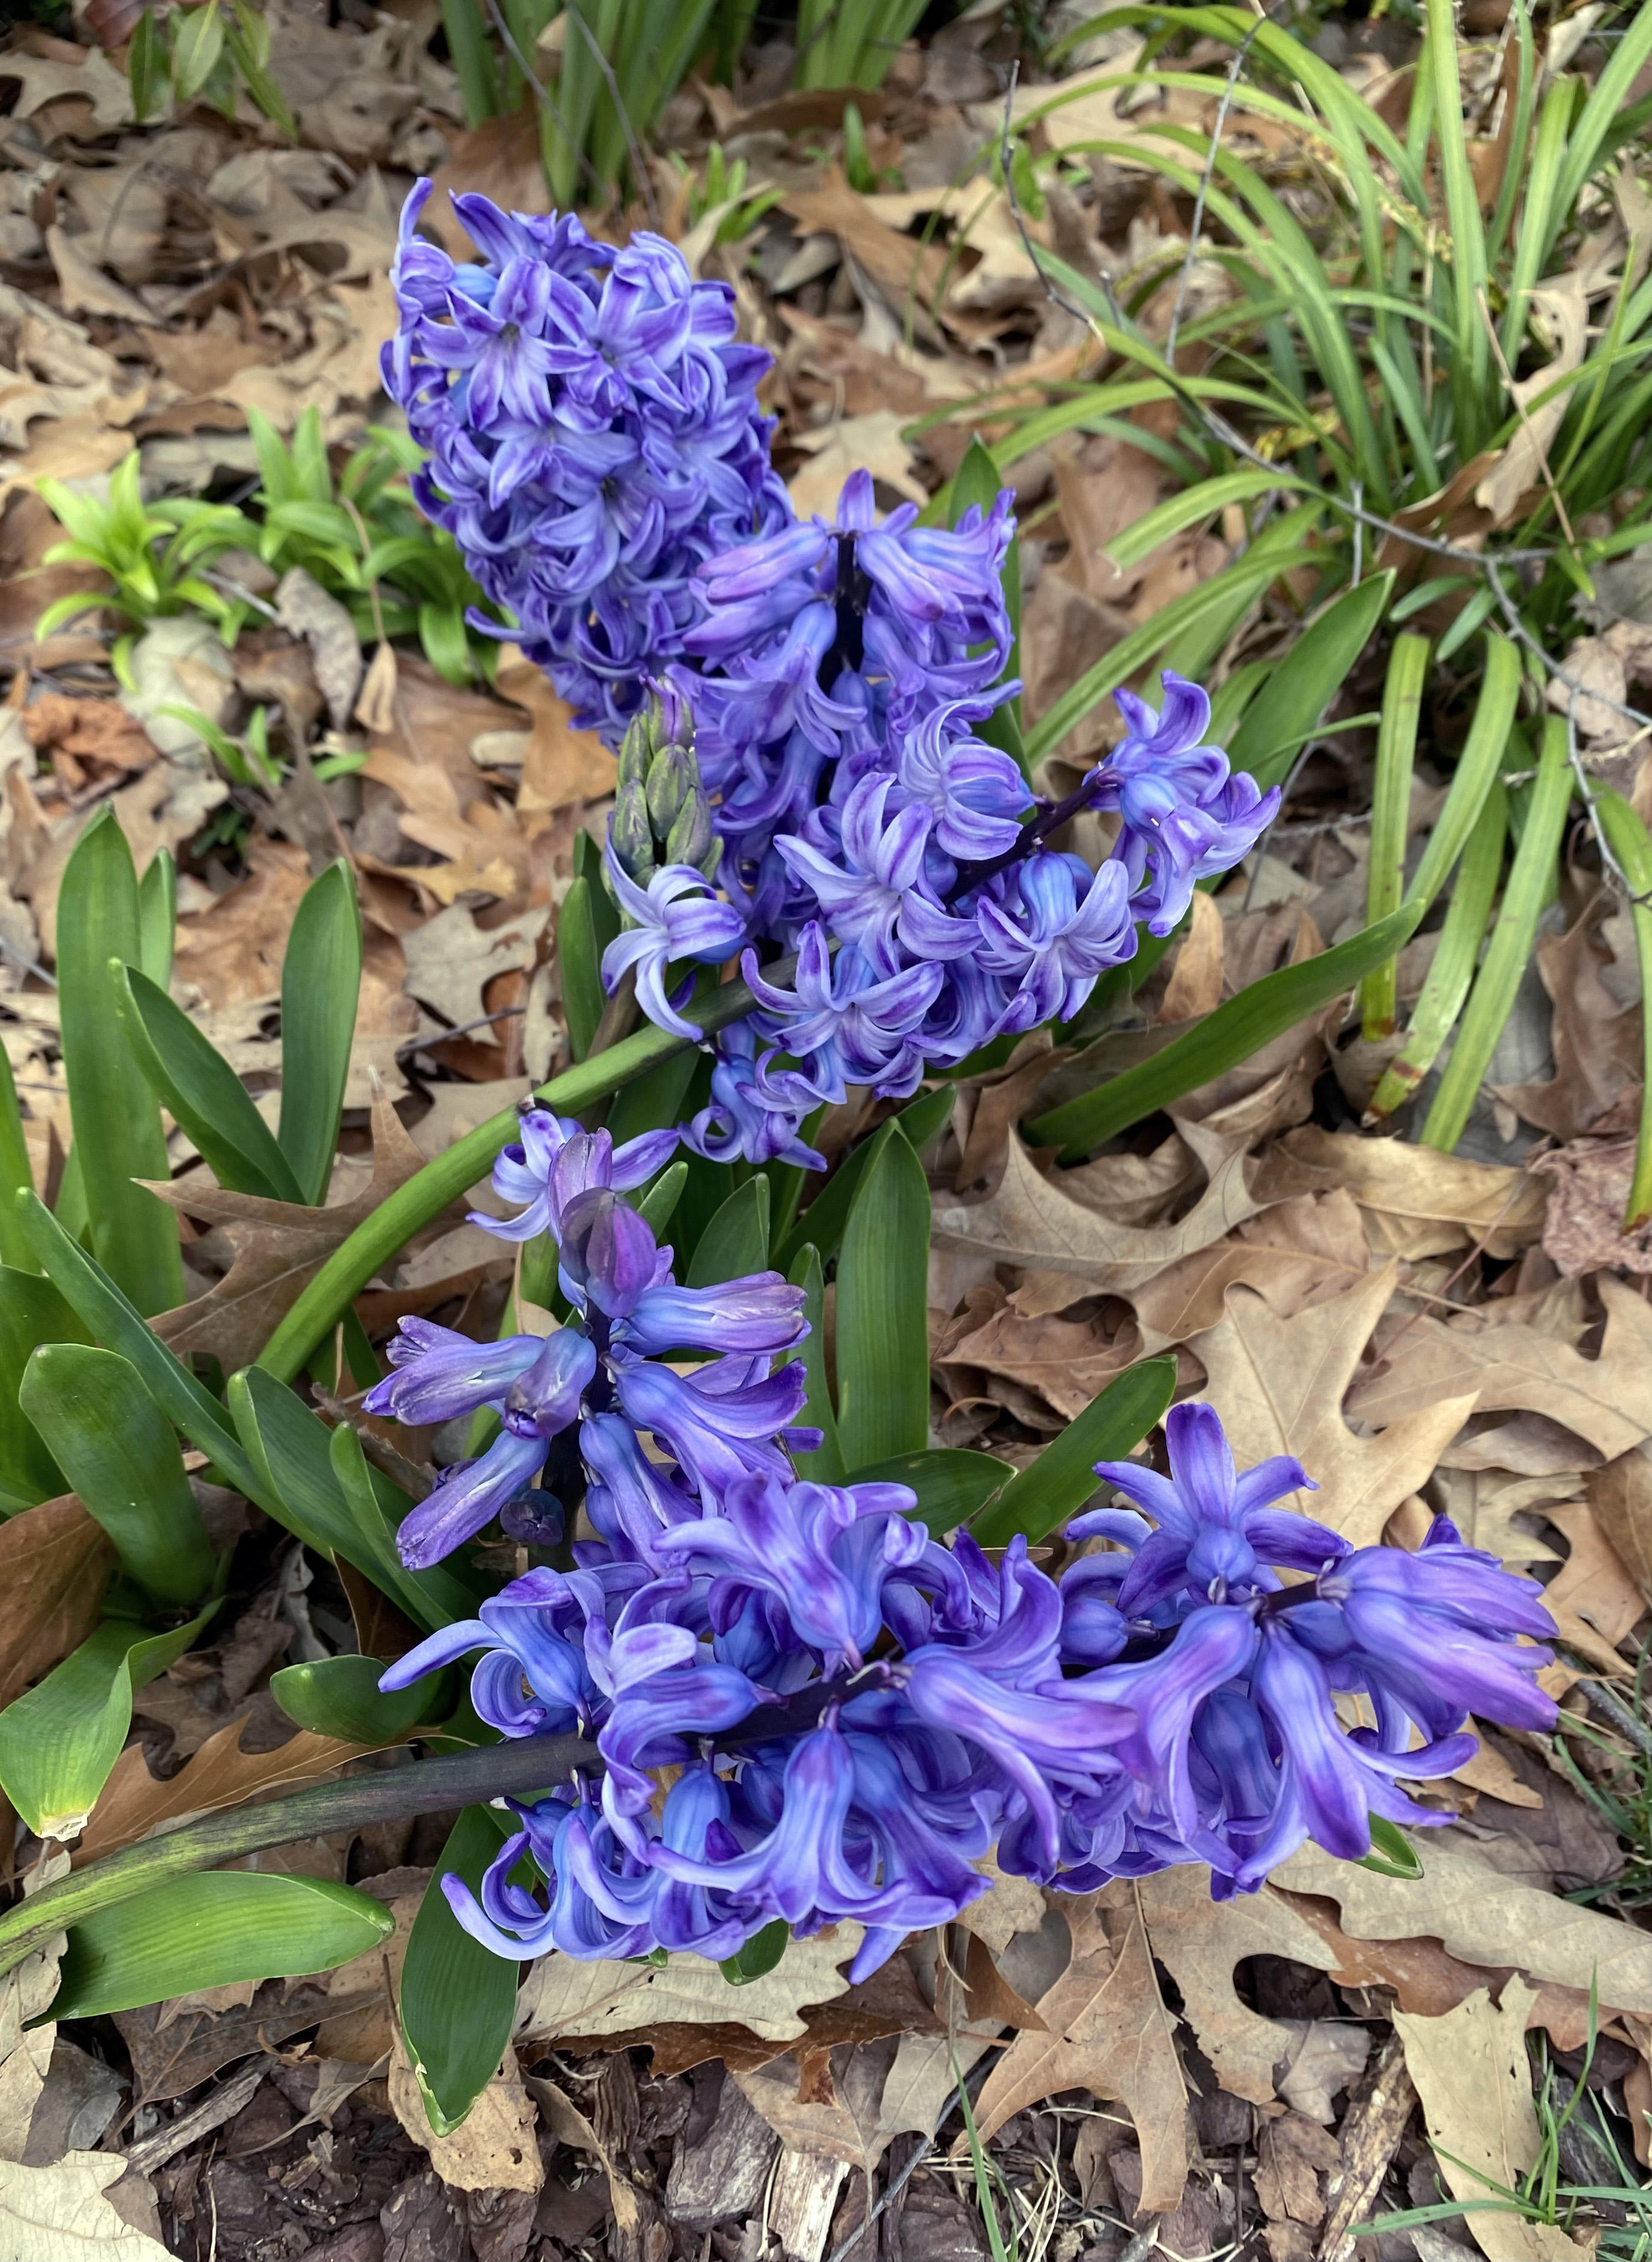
[[1471, 380], [1260, 1012], [1531, 880], [1477, 768], [15, 1177], [1390, 806], [1629, 842]]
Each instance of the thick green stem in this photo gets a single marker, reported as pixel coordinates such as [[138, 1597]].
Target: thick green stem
[[528, 1764], [428, 1193]]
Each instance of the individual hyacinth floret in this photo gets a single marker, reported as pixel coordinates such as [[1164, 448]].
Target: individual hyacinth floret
[[851, 1712], [573, 1404], [593, 432]]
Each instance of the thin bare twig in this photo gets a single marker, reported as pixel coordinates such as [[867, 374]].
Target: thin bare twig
[[1205, 179]]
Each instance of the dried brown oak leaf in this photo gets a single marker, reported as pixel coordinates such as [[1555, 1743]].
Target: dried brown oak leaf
[[1475, 2078], [1420, 1203], [1482, 1917], [1279, 1387], [1589, 1197], [1606, 1400], [279, 1247], [1107, 2030], [1048, 1223], [53, 1563]]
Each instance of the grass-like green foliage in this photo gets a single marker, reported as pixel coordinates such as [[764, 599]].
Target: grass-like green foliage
[[1358, 373]]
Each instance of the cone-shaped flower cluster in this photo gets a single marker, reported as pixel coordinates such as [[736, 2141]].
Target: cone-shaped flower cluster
[[594, 436], [851, 1713], [816, 788]]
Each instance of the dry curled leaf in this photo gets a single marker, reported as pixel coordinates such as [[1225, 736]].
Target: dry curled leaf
[[53, 1563], [63, 2213], [1279, 1387], [1107, 2029], [277, 1247], [1475, 2078]]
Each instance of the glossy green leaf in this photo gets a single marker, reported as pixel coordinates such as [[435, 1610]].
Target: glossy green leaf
[[212, 1930], [759, 1956], [59, 1739], [654, 1100], [578, 960], [1530, 884], [1262, 1011], [320, 979], [188, 1075], [116, 1117], [1205, 500], [197, 46], [340, 1696], [1290, 705], [1477, 771], [1057, 1484], [31, 1312], [157, 916], [1392, 1852], [1452, 970], [149, 66], [291, 1452], [659, 1205], [924, 1116], [120, 1455], [736, 1241], [825, 1465], [951, 1483], [15, 1177], [1390, 810], [458, 1998], [976, 483], [110, 1320], [881, 1333]]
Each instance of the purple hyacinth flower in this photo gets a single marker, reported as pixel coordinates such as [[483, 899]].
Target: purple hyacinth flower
[[607, 1258], [756, 1107], [1067, 927], [847, 1023], [1183, 814], [822, 1550], [555, 1159], [877, 892], [468, 1497], [976, 798], [439, 1375], [1216, 1535], [674, 917], [721, 1420], [545, 1399], [759, 1312]]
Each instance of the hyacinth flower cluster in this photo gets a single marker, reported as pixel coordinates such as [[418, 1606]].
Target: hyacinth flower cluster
[[593, 433], [886, 876], [802, 1706]]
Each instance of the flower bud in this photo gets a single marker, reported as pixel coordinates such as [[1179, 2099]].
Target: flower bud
[[673, 779], [632, 835], [606, 1252]]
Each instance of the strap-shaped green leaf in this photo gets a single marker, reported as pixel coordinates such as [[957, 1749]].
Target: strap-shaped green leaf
[[110, 1320], [291, 1452], [826, 1464], [1302, 686], [120, 1454], [15, 1177], [736, 1241], [157, 916], [59, 1739], [340, 1696], [1057, 1484], [923, 1118], [1262, 1011], [580, 960], [320, 979], [212, 1930], [951, 1483], [881, 1337], [187, 1071], [116, 1117], [458, 1998], [31, 1312]]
